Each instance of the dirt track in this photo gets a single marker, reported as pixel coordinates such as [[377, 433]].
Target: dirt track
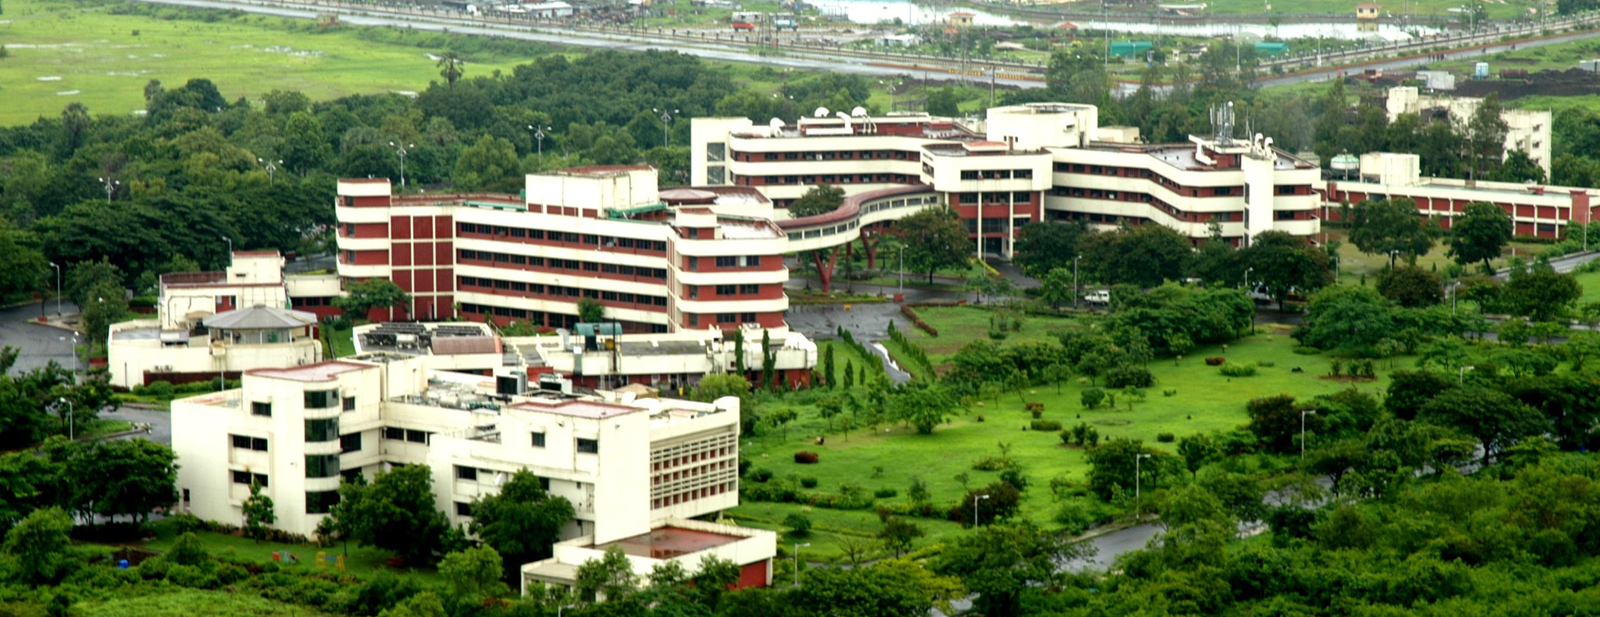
[[1571, 82]]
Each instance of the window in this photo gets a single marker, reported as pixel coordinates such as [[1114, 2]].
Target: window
[[694, 263], [390, 432], [727, 290], [466, 473], [350, 403], [321, 502], [246, 478], [694, 321], [588, 446], [322, 465], [726, 318], [749, 290], [258, 444], [350, 443], [322, 430], [969, 198], [261, 409], [747, 317], [322, 399], [417, 436], [463, 509], [969, 175], [538, 440]]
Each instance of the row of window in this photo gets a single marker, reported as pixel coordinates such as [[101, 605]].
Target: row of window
[[724, 319], [843, 155], [996, 174], [808, 180], [995, 225], [520, 233], [969, 199], [691, 472], [559, 291], [692, 495], [725, 290], [729, 261], [405, 434], [247, 478], [561, 264], [314, 399]]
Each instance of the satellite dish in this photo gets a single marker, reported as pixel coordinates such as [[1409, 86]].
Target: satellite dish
[[1267, 145], [821, 112], [858, 111], [776, 123]]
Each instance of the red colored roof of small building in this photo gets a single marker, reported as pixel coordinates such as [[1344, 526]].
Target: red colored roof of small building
[[668, 542], [600, 169], [321, 371], [271, 253]]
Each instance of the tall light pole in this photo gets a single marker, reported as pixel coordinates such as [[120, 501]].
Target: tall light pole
[[72, 432], [230, 248], [538, 136], [1076, 293], [110, 186], [271, 167], [1461, 378], [402, 150], [74, 350], [666, 119], [902, 268], [1303, 414], [1248, 291], [1136, 459], [58, 287], [975, 499], [797, 546]]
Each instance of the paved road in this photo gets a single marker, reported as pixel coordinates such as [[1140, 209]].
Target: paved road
[[38, 345], [1325, 74], [160, 422]]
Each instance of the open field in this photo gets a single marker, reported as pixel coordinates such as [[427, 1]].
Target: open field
[[1354, 263], [187, 602], [888, 457], [362, 561], [62, 53], [959, 325], [1591, 286], [1504, 9]]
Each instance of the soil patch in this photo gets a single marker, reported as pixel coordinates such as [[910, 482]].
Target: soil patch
[[1571, 82]]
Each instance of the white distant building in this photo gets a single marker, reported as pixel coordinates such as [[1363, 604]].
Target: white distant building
[[633, 468], [1527, 130]]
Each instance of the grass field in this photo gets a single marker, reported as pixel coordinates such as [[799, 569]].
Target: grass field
[[362, 561], [1204, 400], [180, 602], [61, 53], [1505, 9], [1354, 263], [1591, 286], [959, 325]]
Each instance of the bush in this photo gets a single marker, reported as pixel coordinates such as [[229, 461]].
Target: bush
[[912, 315], [1169, 392], [158, 389], [885, 493], [760, 475], [184, 522], [1037, 414], [1238, 370], [1045, 425], [1035, 406], [1304, 350], [1215, 361], [1091, 397], [1166, 437], [806, 458], [808, 482], [1129, 376], [798, 524], [1265, 364], [993, 463]]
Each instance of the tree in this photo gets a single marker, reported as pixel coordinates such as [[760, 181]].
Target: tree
[[1493, 417], [925, 406], [935, 240], [1519, 167], [425, 604], [117, 478], [799, 524], [1057, 287], [396, 513], [944, 102], [1410, 391], [738, 353], [491, 164], [591, 310], [828, 373], [372, 294], [1411, 286], [889, 588], [1484, 137], [1284, 263], [107, 304], [258, 513], [23, 267], [819, 199], [1003, 563], [450, 67], [1113, 466], [1347, 318], [41, 547], [1390, 227], [1144, 256], [1482, 231], [522, 521], [713, 387], [1276, 421], [769, 361], [475, 573], [898, 534], [1196, 449], [1540, 293], [608, 578], [1043, 247], [781, 418]]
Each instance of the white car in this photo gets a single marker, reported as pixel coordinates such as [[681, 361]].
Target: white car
[[1098, 297]]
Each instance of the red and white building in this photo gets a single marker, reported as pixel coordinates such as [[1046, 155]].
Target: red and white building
[[658, 261], [1535, 209]]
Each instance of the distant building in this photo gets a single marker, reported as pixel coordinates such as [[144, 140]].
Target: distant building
[[961, 19], [1535, 209], [1368, 10], [899, 40], [1528, 130]]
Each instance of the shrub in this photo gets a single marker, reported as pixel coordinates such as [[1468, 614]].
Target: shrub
[[912, 315], [806, 458], [1037, 414], [798, 524], [184, 522], [1166, 437], [1215, 361], [993, 463], [1045, 425], [760, 475], [885, 493], [1265, 364], [980, 418], [1091, 398], [1304, 350], [1129, 376], [1238, 370], [1169, 392], [1034, 406], [808, 482]]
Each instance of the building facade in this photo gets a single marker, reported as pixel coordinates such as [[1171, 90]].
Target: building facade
[[1528, 130], [1535, 209], [628, 465]]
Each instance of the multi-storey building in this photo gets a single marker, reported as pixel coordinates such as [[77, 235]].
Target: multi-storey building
[[1023, 163], [1535, 209], [1528, 130], [630, 466], [686, 259]]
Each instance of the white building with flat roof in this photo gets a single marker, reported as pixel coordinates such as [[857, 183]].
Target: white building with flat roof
[[627, 464]]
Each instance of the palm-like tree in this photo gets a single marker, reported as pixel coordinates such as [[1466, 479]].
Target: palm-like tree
[[450, 67]]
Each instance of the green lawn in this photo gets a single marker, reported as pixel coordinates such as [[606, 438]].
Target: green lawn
[[362, 561], [1497, 10], [78, 52], [843, 354], [959, 325], [1591, 286], [1354, 263], [341, 341], [1204, 400], [181, 602]]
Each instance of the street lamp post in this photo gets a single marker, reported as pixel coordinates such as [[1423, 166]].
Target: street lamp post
[[975, 499], [1136, 459], [1461, 377], [666, 119], [230, 246], [902, 268], [110, 186], [1076, 293], [538, 136], [271, 167], [72, 433], [74, 350], [58, 287], [1248, 293], [1303, 414], [797, 546], [402, 150]]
